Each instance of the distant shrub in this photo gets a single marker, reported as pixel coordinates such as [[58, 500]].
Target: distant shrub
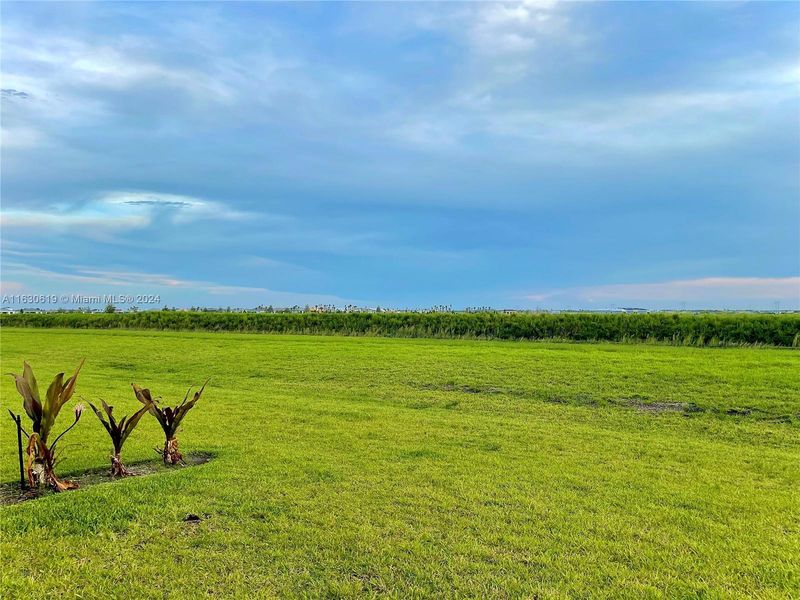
[[678, 328]]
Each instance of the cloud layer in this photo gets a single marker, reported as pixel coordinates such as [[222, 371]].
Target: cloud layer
[[708, 291], [408, 154]]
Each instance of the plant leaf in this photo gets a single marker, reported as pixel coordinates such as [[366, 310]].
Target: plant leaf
[[32, 406], [180, 411], [51, 406], [102, 420], [109, 410], [69, 387], [143, 395], [132, 422], [27, 373]]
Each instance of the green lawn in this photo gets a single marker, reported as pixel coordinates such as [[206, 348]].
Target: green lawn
[[349, 467]]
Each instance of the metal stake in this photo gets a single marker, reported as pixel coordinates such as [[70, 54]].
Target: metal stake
[[18, 422], [22, 483]]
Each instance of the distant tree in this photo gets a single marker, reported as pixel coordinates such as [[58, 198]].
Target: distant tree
[[110, 308]]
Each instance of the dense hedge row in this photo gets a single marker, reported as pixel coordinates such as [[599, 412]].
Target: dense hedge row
[[684, 328]]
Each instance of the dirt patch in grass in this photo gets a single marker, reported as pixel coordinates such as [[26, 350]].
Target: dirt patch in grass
[[466, 389], [10, 493], [640, 404], [661, 407]]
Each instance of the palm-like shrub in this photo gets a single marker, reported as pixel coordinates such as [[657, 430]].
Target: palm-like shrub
[[41, 457], [119, 432], [169, 419]]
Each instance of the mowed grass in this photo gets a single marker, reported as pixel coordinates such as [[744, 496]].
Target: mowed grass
[[348, 467]]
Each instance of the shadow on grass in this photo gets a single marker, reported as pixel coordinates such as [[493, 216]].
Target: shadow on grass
[[10, 492]]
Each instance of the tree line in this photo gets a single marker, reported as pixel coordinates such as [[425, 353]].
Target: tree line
[[704, 329]]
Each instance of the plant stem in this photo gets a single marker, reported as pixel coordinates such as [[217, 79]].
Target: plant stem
[[171, 454]]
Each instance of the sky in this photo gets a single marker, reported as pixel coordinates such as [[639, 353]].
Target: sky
[[545, 155]]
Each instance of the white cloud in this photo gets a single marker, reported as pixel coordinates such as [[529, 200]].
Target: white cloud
[[487, 96], [495, 94], [132, 278], [503, 29], [88, 80], [120, 210], [633, 122], [708, 289], [12, 138], [271, 263], [71, 62], [183, 208], [107, 280], [11, 287], [642, 123], [85, 218]]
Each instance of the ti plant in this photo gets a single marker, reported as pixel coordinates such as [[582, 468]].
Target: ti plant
[[169, 419], [119, 432], [41, 457]]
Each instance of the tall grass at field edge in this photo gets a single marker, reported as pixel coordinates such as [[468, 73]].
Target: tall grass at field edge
[[719, 329]]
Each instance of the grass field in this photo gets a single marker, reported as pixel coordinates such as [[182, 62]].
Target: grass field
[[348, 467]]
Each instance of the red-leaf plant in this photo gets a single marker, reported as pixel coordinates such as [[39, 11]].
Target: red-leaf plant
[[169, 419], [119, 432], [41, 457]]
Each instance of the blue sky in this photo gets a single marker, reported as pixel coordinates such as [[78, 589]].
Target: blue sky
[[577, 155]]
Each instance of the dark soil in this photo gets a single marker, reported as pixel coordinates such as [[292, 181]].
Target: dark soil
[[10, 493], [657, 407]]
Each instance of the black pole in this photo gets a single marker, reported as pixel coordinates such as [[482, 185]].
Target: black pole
[[18, 421]]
